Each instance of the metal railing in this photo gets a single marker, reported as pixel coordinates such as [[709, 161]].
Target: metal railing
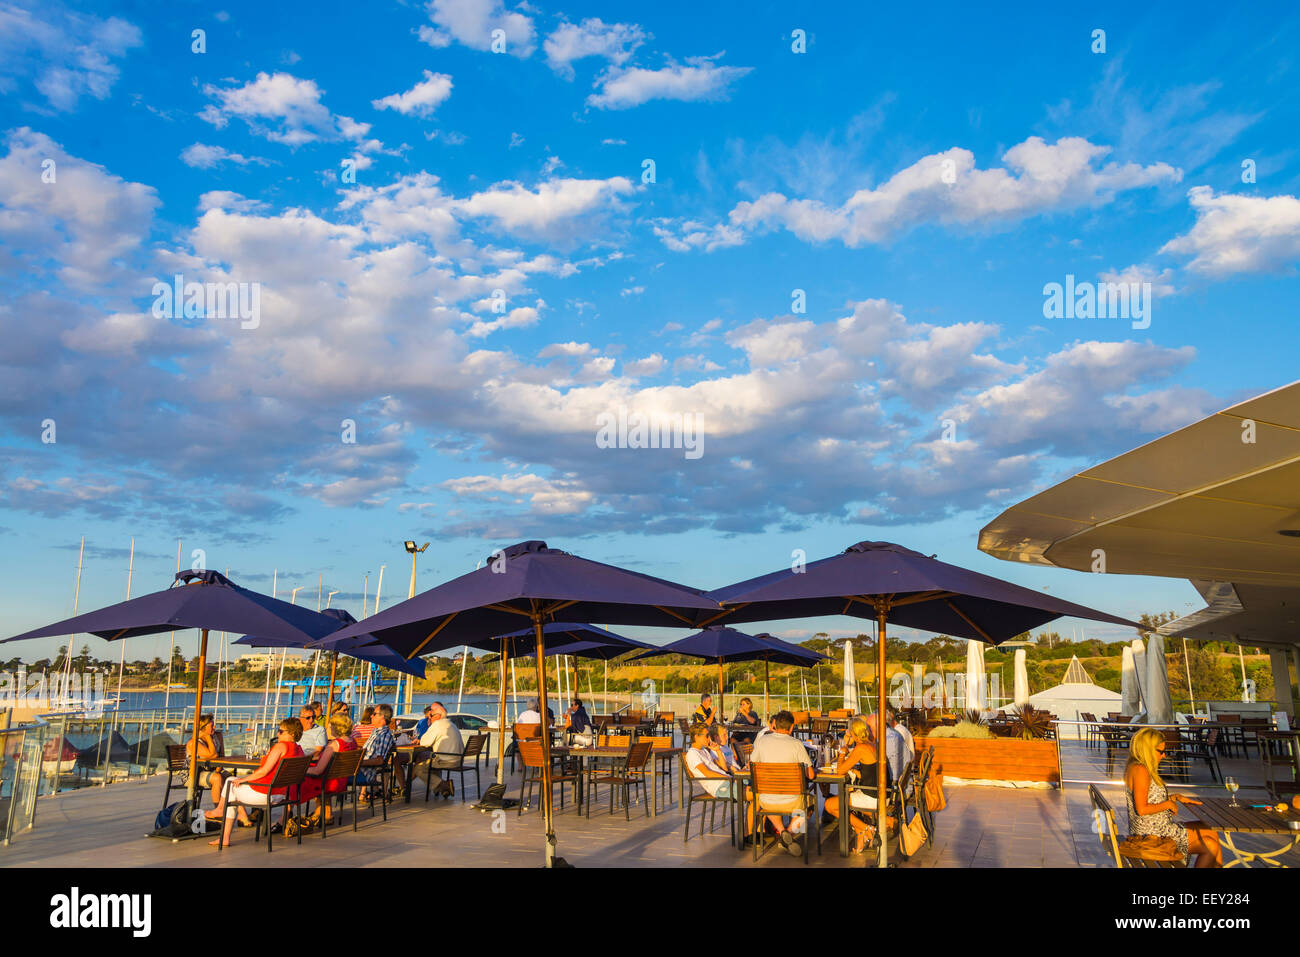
[[21, 749]]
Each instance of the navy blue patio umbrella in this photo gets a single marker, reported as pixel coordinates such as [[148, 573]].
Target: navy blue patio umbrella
[[363, 648], [890, 583], [719, 644], [530, 582], [206, 600]]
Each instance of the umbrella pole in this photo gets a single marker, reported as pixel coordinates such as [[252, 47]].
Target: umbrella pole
[[501, 716], [766, 689], [329, 697], [547, 810], [882, 808], [722, 690], [198, 707]]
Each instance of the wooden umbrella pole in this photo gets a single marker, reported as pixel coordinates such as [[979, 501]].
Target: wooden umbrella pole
[[191, 784], [547, 811], [722, 691], [329, 697], [766, 690], [501, 716], [882, 808]]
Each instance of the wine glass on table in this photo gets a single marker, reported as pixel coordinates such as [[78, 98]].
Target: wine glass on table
[[1231, 784]]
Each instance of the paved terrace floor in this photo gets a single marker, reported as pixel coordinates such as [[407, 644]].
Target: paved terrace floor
[[981, 827]]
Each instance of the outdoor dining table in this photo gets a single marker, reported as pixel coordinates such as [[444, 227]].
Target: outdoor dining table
[[821, 777], [1220, 815], [614, 754]]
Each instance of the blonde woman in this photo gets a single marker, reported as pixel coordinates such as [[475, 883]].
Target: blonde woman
[[1152, 810], [858, 755]]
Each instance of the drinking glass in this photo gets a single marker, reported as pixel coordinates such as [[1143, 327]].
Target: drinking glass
[[1231, 784]]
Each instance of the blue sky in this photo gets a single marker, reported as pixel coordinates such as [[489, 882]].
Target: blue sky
[[919, 177]]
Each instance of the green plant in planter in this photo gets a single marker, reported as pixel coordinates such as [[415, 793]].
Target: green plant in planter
[[967, 730], [1033, 723]]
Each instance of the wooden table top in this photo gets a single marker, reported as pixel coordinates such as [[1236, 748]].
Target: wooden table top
[[1220, 815]]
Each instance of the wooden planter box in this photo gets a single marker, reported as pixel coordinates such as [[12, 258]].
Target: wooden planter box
[[1001, 759]]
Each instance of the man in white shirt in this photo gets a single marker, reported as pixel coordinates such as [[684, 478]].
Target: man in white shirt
[[778, 746], [532, 715], [909, 743], [895, 748], [313, 735], [446, 746], [703, 764]]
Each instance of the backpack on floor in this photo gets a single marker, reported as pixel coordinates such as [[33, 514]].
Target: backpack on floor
[[494, 799], [174, 820]]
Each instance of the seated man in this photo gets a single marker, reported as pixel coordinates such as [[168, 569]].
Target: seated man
[[532, 715], [704, 713], [378, 743], [422, 725], [580, 724], [313, 735], [446, 747], [778, 746]]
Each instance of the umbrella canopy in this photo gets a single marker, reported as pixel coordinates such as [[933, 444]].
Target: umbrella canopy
[[1130, 700], [850, 680], [889, 583], [530, 583], [976, 686], [1020, 681], [572, 638], [364, 649], [206, 600], [718, 645], [1160, 709]]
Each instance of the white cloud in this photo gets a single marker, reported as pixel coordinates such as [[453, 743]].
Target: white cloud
[[554, 205], [66, 55], [1161, 280], [1239, 234], [231, 201], [1037, 178], [473, 23], [592, 37], [421, 99], [700, 79], [282, 108], [685, 235], [516, 318], [204, 156], [572, 349], [651, 365], [548, 496]]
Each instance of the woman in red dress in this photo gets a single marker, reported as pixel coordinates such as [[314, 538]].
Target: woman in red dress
[[252, 788], [340, 728]]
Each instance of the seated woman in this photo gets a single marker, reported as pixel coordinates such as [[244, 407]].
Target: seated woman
[[746, 716], [1151, 809], [252, 788], [704, 766], [340, 730], [209, 777], [857, 758]]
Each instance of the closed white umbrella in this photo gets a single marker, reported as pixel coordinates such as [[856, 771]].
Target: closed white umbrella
[[1020, 683], [850, 680], [1160, 709], [1128, 689], [1140, 673], [975, 697]]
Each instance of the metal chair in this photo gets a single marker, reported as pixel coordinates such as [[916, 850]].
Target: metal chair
[[1132, 852], [782, 781], [530, 751], [289, 773], [473, 747], [628, 772], [342, 767], [706, 800]]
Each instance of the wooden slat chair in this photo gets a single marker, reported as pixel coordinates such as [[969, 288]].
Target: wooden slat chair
[[1091, 733], [704, 799], [801, 727], [664, 722], [342, 767], [662, 762], [627, 773], [743, 750], [381, 780], [1282, 771], [530, 752], [782, 781], [924, 769], [178, 771], [1144, 851], [473, 748], [523, 732], [1234, 735], [819, 727], [289, 773], [1250, 730], [1115, 740], [684, 726]]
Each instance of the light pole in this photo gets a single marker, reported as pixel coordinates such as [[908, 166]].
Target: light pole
[[411, 547]]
